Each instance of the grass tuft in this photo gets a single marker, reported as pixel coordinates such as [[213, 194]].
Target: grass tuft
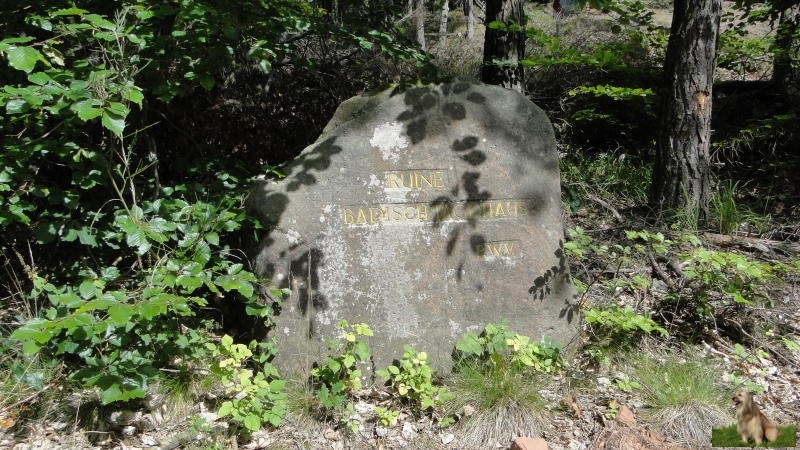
[[726, 212], [495, 405], [683, 398]]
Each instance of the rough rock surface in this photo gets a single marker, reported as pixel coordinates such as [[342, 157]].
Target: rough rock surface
[[425, 212]]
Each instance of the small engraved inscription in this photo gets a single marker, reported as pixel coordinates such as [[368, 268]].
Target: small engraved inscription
[[439, 212], [497, 248], [415, 179]]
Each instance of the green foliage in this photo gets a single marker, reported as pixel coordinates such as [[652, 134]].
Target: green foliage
[[119, 300], [60, 91], [605, 175], [414, 381], [255, 397], [386, 417], [582, 247], [497, 347], [639, 99], [613, 92], [626, 384], [724, 209], [725, 276], [336, 378], [678, 380], [748, 365], [613, 326], [790, 344], [124, 327], [618, 325], [498, 375]]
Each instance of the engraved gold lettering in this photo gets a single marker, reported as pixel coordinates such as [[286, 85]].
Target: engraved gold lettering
[[394, 180], [497, 248], [486, 209], [439, 211], [361, 217], [438, 179], [433, 179], [415, 179], [397, 213], [422, 212], [377, 215]]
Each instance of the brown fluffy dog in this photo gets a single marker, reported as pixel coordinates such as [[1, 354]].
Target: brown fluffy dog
[[752, 423]]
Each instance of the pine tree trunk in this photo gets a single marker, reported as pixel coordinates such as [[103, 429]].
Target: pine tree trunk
[[681, 180], [470, 15], [784, 66], [419, 22], [503, 48], [443, 21]]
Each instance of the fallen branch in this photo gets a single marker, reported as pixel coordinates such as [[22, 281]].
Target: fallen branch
[[751, 243], [607, 206]]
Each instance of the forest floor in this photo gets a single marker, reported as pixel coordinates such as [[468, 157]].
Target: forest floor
[[585, 407]]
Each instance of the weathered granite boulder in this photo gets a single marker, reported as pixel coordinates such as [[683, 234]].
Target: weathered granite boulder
[[425, 212]]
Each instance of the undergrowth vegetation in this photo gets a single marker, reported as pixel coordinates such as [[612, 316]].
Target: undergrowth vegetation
[[131, 131]]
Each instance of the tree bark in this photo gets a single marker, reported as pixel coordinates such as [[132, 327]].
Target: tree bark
[[681, 179], [419, 22], [468, 12], [784, 68], [443, 21], [503, 47]]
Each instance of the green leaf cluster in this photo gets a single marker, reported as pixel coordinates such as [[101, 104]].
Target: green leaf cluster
[[725, 277], [414, 381], [124, 327], [255, 398], [498, 348], [339, 376]]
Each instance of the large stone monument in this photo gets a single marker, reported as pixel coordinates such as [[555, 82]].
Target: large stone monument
[[425, 212]]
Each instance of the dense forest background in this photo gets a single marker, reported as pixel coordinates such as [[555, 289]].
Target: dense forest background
[[132, 130]]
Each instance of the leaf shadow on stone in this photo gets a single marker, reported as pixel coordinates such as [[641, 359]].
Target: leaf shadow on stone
[[424, 100], [307, 163], [556, 276], [304, 260]]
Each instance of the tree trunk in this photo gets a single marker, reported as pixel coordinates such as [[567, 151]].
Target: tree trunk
[[419, 22], [504, 46], [470, 15], [443, 21], [784, 67], [681, 179]]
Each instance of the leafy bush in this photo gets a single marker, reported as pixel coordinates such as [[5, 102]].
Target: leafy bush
[[495, 382], [413, 380], [336, 378], [121, 277], [255, 398], [725, 277], [618, 324], [121, 328], [497, 347]]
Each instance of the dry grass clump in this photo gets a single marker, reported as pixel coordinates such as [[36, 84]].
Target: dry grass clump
[[684, 399], [500, 424], [495, 406], [689, 424]]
